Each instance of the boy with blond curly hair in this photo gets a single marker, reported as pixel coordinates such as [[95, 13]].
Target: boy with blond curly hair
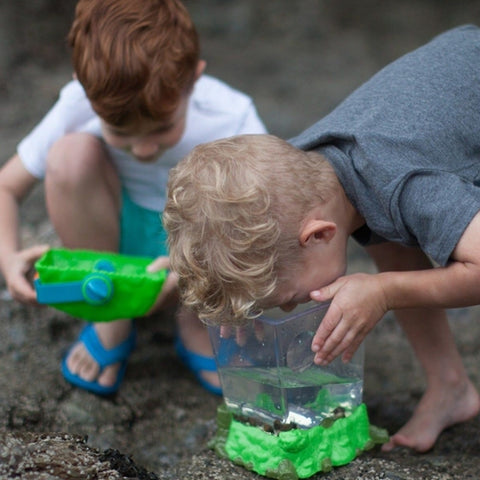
[[255, 222], [139, 102]]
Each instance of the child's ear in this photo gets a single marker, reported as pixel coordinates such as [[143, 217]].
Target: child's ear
[[201, 65], [316, 231]]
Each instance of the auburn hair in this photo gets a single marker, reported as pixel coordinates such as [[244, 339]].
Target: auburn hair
[[134, 58]]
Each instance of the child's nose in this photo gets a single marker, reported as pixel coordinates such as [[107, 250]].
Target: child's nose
[[288, 307]]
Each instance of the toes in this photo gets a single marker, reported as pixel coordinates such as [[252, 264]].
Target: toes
[[399, 440], [109, 375], [80, 363], [89, 371], [76, 359], [389, 446]]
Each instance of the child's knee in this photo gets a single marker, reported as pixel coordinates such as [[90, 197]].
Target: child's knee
[[75, 157]]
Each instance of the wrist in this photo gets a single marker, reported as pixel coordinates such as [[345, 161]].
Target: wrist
[[393, 290]]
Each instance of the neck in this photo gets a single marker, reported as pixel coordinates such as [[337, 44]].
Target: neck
[[338, 208], [345, 215], [353, 219]]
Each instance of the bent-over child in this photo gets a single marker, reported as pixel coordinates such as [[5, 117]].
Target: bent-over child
[[254, 221]]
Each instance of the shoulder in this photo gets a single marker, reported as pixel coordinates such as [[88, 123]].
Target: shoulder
[[212, 95], [73, 92], [462, 34]]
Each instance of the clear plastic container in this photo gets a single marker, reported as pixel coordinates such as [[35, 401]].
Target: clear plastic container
[[268, 376]]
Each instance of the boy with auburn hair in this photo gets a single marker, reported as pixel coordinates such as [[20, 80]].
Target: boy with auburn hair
[[255, 222], [138, 104]]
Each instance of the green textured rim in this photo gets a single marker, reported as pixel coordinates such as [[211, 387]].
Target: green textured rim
[[134, 289], [295, 453]]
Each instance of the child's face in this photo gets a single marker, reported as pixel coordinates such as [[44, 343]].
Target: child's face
[[148, 141], [315, 269]]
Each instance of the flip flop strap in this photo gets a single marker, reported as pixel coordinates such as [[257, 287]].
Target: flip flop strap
[[200, 362], [196, 361], [101, 355]]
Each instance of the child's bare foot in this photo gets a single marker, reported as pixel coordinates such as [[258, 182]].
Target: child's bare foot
[[81, 363], [194, 336], [438, 409]]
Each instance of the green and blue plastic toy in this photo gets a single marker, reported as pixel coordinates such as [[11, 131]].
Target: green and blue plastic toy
[[97, 286]]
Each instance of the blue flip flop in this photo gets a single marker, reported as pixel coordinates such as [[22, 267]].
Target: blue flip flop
[[104, 358], [198, 363]]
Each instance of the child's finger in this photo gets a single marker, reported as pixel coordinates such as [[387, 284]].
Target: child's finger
[[225, 331], [340, 340], [327, 292], [326, 327], [31, 254], [24, 292], [331, 338], [168, 295], [259, 330], [352, 348], [241, 336], [158, 264]]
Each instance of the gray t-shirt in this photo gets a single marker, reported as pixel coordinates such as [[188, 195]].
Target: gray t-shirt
[[406, 144]]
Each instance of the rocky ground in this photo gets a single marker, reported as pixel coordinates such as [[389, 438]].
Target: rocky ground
[[298, 60]]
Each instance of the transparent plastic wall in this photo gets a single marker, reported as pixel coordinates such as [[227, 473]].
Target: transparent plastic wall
[[268, 375]]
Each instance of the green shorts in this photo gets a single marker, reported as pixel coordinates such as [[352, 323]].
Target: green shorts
[[141, 230]]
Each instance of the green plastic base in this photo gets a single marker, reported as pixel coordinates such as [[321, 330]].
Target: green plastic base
[[295, 453]]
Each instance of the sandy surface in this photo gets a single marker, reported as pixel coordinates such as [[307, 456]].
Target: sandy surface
[[298, 60]]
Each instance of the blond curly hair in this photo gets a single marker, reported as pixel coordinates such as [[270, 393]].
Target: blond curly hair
[[233, 217]]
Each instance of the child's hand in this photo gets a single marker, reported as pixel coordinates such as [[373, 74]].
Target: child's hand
[[358, 303], [241, 333], [169, 293], [17, 270]]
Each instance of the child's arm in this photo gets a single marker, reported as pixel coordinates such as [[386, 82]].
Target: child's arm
[[15, 183], [359, 301]]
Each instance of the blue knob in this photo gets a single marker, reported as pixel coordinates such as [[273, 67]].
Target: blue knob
[[97, 289], [105, 265]]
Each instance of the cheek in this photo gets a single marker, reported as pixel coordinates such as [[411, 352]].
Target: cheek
[[337, 269], [174, 136], [115, 142], [326, 273]]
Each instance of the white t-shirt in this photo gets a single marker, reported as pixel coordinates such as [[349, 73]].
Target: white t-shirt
[[215, 111]]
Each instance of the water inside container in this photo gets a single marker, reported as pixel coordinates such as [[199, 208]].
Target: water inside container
[[270, 378]]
